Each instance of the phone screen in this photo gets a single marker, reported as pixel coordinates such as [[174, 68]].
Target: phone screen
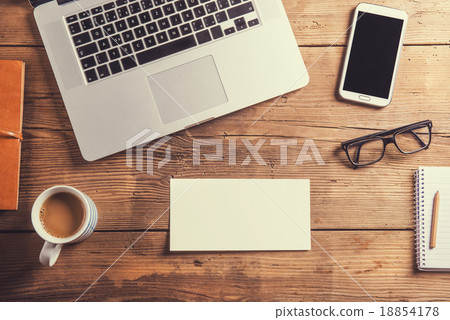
[[373, 55]]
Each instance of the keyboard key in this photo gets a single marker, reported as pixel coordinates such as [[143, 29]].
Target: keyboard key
[[109, 6], [229, 31], [180, 5], [211, 7], [71, 18], [174, 33], [123, 12], [156, 13], [109, 29], [84, 14], [150, 41], [103, 72], [104, 44], [223, 4], [99, 20], [115, 67], [139, 32], [175, 20], [121, 2], [96, 10], [133, 21], [151, 28], [203, 37], [81, 39], [159, 2], [134, 8], [121, 25], [163, 24], [197, 25], [87, 24], [192, 3], [110, 16], [162, 37], [138, 45], [253, 22], [166, 50], [187, 15], [240, 10], [235, 2], [87, 50], [114, 54], [168, 9], [199, 11], [102, 57], [74, 28], [126, 50], [209, 21], [128, 36], [240, 24], [217, 32], [128, 63], [185, 29], [221, 17], [147, 4], [91, 75], [116, 40], [145, 17], [97, 34], [88, 63]]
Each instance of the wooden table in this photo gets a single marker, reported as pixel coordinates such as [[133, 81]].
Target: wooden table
[[363, 218]]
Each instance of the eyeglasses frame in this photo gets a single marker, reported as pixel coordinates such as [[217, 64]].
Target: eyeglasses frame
[[387, 140]]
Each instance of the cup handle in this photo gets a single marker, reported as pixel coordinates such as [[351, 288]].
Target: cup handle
[[50, 253]]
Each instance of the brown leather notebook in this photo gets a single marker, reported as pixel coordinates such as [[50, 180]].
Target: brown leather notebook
[[12, 75]]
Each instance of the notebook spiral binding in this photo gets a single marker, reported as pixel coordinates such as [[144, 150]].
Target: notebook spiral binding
[[419, 177]]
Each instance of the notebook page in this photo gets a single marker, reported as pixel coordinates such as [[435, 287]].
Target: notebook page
[[436, 178]]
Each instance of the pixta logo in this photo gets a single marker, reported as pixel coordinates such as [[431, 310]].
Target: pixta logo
[[140, 143]]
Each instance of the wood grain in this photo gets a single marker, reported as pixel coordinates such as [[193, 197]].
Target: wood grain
[[363, 218], [376, 197], [315, 23], [384, 267], [420, 93]]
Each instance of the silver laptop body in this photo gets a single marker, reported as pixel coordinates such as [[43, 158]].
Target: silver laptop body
[[129, 65]]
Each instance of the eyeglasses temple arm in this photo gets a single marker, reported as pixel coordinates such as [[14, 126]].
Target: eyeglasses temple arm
[[422, 144]]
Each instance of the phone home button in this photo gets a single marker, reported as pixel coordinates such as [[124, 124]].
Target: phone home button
[[364, 98]]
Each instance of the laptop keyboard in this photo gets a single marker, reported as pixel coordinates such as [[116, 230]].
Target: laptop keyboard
[[124, 34]]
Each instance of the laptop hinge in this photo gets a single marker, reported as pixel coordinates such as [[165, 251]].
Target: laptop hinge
[[36, 3]]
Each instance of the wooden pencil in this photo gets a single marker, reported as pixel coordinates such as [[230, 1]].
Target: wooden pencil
[[434, 221]]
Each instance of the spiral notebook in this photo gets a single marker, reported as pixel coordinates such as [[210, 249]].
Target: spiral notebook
[[428, 181]]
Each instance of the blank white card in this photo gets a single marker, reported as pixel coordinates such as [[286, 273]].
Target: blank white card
[[239, 214]]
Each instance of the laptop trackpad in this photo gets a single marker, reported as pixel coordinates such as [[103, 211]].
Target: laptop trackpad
[[187, 89]]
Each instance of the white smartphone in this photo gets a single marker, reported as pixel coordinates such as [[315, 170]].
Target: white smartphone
[[373, 53]]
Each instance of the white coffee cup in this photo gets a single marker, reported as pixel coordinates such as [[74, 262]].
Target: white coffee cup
[[53, 245]]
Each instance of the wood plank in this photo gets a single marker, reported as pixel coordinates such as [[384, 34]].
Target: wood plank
[[325, 22], [17, 25], [382, 262], [421, 92], [380, 196], [314, 23]]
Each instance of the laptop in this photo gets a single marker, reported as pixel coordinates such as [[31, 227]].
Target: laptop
[[127, 66]]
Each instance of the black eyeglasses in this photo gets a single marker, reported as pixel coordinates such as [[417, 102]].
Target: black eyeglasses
[[371, 148]]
